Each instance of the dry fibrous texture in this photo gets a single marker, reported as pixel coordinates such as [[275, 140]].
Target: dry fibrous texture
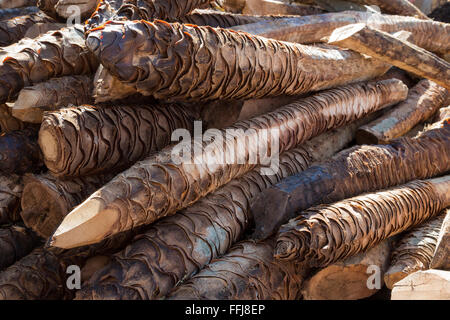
[[11, 187], [215, 222], [441, 256], [15, 242], [352, 172], [49, 7], [326, 234], [423, 101], [8, 123], [430, 35], [168, 181], [400, 7], [223, 19], [41, 275], [442, 114], [48, 199], [176, 62], [7, 4], [14, 29], [349, 279], [423, 285], [109, 88], [247, 272], [90, 140], [6, 14], [393, 50], [63, 9], [52, 95], [51, 55], [19, 151], [265, 7], [414, 251]]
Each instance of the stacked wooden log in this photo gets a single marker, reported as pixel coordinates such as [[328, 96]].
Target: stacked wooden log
[[197, 149]]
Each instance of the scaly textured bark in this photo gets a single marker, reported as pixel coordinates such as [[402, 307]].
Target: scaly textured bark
[[41, 275], [352, 172], [400, 7], [264, 7], [414, 251], [218, 19], [6, 14], [175, 62], [11, 187], [48, 199], [15, 29], [215, 222], [8, 123], [422, 102], [6, 4], [328, 233], [247, 272], [430, 35], [51, 55], [19, 151], [164, 183], [15, 243], [441, 256], [49, 7], [88, 140], [391, 49], [52, 95]]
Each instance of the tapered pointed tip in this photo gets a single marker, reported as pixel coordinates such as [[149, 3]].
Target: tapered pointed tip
[[87, 224]]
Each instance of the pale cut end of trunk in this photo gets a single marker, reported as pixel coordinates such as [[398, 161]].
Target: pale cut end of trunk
[[423, 285], [109, 88], [50, 146], [441, 258], [89, 223], [385, 47], [28, 98], [348, 279], [442, 189]]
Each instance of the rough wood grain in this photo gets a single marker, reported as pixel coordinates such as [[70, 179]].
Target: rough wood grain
[[400, 7], [391, 49], [423, 285], [326, 234], [428, 34], [91, 140], [348, 279], [48, 199], [8, 123], [165, 183], [52, 95], [414, 251], [54, 54], [15, 243], [441, 257], [247, 272], [351, 172], [19, 151], [11, 187], [270, 67], [215, 222], [423, 101]]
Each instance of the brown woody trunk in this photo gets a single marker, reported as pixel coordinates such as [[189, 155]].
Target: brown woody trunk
[[349, 279], [6, 14], [266, 7], [8, 123], [400, 7], [6, 4], [218, 220], [19, 151], [328, 233], [48, 199], [271, 68], [15, 243], [11, 187], [430, 35], [17, 28], [391, 49], [52, 95], [73, 145], [414, 251], [422, 102], [32, 60], [109, 88], [165, 183], [352, 172], [247, 272], [441, 256]]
